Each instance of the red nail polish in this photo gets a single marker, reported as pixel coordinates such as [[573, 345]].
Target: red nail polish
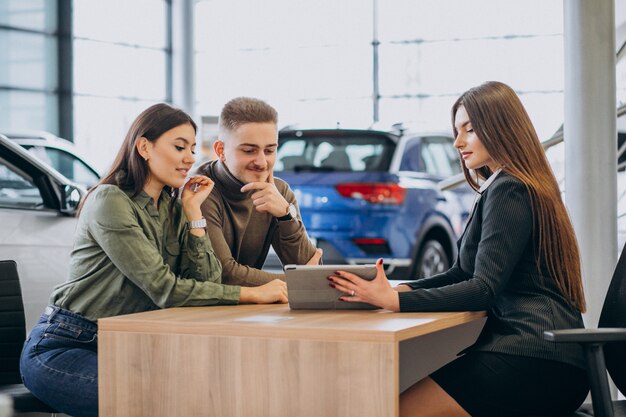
[[332, 285]]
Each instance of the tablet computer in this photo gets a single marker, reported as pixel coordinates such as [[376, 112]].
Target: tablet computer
[[308, 287]]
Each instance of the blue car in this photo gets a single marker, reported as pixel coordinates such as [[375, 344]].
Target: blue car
[[366, 194]]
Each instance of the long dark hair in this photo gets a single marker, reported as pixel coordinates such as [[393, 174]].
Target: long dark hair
[[129, 170], [507, 133]]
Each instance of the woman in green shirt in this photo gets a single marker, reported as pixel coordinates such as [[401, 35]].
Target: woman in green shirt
[[137, 247]]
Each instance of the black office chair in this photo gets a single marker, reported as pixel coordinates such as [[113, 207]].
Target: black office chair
[[12, 336], [604, 347]]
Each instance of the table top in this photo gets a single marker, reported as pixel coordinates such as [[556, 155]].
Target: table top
[[279, 321]]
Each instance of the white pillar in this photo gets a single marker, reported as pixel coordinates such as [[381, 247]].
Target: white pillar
[[590, 141], [183, 54]]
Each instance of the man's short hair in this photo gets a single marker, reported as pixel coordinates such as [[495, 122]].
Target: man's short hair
[[242, 110]]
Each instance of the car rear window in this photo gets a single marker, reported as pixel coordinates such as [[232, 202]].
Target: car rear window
[[331, 152]]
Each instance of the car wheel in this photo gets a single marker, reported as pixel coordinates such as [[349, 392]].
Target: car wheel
[[432, 259]]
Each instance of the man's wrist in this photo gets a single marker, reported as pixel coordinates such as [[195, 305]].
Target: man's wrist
[[290, 214]]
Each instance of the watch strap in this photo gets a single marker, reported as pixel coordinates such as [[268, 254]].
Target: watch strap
[[197, 224], [284, 218], [291, 213]]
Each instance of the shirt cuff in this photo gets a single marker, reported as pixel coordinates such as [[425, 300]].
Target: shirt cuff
[[231, 294], [198, 245]]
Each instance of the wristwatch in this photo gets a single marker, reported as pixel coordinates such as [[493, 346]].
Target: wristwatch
[[197, 224], [292, 213]]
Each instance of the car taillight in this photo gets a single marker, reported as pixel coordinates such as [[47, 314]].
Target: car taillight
[[375, 193], [372, 245]]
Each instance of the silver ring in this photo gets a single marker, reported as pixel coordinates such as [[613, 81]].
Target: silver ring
[[353, 293]]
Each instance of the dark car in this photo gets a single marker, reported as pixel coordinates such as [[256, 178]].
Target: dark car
[[365, 194]]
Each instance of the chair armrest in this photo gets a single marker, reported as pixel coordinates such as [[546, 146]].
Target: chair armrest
[[602, 335], [593, 341]]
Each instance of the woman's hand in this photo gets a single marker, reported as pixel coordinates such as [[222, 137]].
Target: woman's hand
[[377, 291], [273, 292], [191, 200]]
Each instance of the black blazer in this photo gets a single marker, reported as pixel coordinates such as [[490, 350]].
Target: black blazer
[[496, 270]]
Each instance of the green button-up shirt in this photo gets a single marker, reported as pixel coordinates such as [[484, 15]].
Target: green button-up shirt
[[130, 256]]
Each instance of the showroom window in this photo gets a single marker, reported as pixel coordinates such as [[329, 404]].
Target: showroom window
[[315, 61], [29, 65], [311, 60], [122, 61]]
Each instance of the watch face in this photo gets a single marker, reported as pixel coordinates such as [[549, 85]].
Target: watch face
[[293, 211]]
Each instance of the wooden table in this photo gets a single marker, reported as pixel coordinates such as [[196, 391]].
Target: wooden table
[[268, 360]]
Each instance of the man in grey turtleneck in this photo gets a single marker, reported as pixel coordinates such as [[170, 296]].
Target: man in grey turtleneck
[[248, 209]]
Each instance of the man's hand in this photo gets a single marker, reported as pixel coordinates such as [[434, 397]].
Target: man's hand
[[317, 256], [267, 198], [273, 292]]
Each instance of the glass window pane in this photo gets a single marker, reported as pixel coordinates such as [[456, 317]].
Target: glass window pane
[[100, 125], [28, 60], [448, 19], [119, 71], [432, 114], [315, 73], [16, 190], [29, 14], [431, 51], [32, 111], [295, 54], [437, 68], [136, 22], [227, 25]]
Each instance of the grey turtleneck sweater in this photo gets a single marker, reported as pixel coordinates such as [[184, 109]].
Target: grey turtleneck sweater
[[241, 236]]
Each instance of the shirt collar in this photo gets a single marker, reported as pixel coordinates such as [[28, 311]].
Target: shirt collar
[[489, 180], [143, 199]]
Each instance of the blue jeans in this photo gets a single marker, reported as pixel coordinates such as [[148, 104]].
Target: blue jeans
[[59, 362]]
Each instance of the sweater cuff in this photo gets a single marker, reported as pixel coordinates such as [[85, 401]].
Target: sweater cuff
[[289, 226]]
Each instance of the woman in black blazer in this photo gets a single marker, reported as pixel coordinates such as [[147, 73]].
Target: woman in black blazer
[[518, 259]]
